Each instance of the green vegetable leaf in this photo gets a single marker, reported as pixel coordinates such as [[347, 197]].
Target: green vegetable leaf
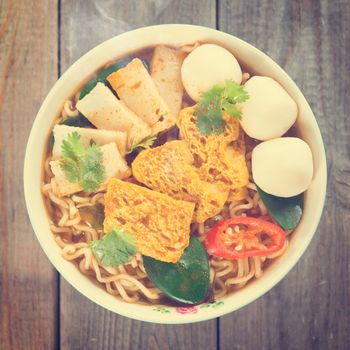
[[94, 215], [219, 98], [286, 211], [186, 281], [52, 140], [231, 109], [80, 121], [144, 144], [82, 164], [204, 124], [234, 93], [114, 248], [101, 77]]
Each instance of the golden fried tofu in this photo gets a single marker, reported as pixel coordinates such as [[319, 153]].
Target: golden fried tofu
[[219, 157], [160, 224], [169, 169], [237, 194]]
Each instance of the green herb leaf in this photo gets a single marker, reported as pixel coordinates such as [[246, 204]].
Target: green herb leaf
[[234, 93], [286, 211], [80, 121], [114, 248], [186, 281], [94, 215], [82, 164], [205, 125], [52, 140], [219, 98], [144, 144], [231, 109]]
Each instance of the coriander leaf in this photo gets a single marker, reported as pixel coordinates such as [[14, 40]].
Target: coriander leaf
[[209, 110], [71, 170], [231, 109], [115, 248], [72, 147], [212, 97], [144, 144], [82, 164], [211, 123], [234, 92], [204, 125]]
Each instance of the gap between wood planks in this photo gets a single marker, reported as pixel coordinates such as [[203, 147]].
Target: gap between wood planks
[[57, 341]]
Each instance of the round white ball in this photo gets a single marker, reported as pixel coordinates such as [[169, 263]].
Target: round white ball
[[206, 66], [282, 167], [269, 112]]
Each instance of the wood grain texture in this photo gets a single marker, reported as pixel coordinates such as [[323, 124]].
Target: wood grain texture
[[87, 23], [309, 309], [83, 324], [28, 68]]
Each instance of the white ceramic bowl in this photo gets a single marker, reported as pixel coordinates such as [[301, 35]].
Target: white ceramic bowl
[[172, 34]]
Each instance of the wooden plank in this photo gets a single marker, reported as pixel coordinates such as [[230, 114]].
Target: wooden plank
[[83, 324], [87, 23], [28, 68], [309, 308]]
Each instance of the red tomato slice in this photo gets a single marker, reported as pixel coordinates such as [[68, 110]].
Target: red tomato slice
[[255, 237]]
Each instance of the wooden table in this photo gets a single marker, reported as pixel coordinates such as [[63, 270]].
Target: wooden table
[[309, 309]]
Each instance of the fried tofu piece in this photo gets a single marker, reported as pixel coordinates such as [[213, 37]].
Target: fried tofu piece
[[166, 74], [115, 166], [169, 169], [219, 157], [237, 194], [137, 90], [160, 224], [105, 111], [100, 137]]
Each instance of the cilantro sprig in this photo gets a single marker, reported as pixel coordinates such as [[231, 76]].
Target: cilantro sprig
[[209, 110], [115, 248], [143, 144], [82, 164]]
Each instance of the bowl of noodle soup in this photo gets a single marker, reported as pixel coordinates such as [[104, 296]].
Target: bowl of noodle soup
[[126, 290]]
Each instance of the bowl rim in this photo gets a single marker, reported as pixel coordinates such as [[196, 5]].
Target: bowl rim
[[121, 307]]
